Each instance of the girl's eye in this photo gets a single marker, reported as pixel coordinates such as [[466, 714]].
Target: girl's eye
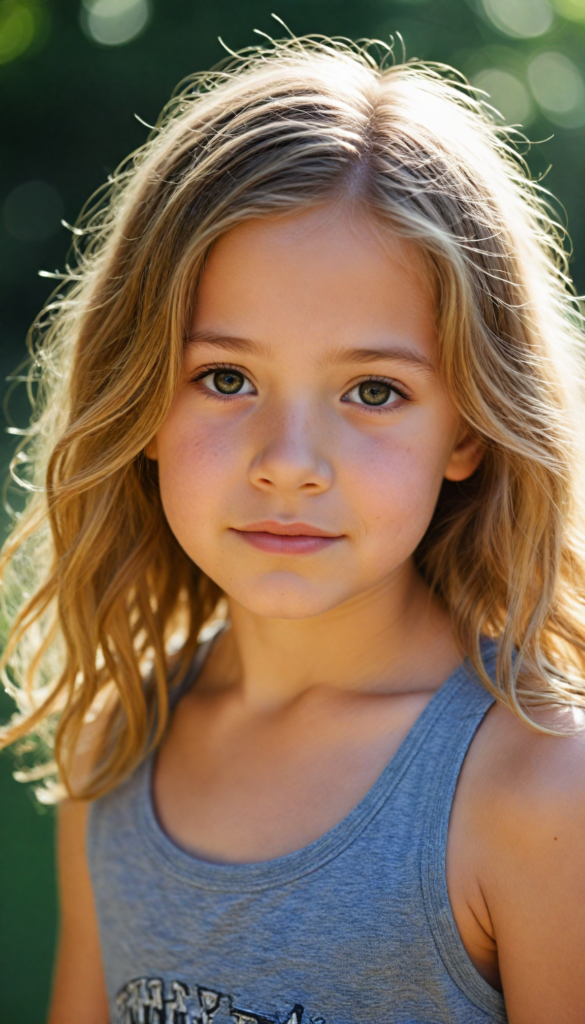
[[227, 382], [374, 393]]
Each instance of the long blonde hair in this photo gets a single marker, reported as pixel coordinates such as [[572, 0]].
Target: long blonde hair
[[96, 586]]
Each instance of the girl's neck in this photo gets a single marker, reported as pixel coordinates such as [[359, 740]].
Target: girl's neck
[[394, 639]]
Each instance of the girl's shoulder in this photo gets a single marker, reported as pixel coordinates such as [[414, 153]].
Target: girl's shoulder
[[524, 789], [526, 774], [516, 857]]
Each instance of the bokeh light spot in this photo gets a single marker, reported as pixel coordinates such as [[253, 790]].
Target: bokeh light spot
[[507, 94], [573, 10], [33, 211], [558, 88], [114, 22], [523, 19], [17, 30]]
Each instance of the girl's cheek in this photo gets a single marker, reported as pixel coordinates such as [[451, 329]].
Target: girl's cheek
[[194, 444], [393, 488], [397, 467], [197, 463], [397, 503]]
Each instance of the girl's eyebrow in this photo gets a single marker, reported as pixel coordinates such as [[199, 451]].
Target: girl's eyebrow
[[396, 353], [226, 341]]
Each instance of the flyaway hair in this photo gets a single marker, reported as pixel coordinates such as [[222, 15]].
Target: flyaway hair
[[105, 607]]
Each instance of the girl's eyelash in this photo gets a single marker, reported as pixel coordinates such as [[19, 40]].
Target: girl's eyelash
[[383, 380], [214, 368], [379, 380]]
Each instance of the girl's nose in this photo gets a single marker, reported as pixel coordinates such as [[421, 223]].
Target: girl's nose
[[288, 458]]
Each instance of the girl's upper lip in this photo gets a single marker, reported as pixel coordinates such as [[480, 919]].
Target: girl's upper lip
[[286, 529]]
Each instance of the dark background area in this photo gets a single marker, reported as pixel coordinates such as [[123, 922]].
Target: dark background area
[[72, 78]]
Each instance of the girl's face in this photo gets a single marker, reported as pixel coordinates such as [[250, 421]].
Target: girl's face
[[302, 457]]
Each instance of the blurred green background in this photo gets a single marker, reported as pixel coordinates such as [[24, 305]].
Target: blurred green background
[[73, 75]]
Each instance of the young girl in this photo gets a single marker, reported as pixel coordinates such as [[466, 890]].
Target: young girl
[[314, 387]]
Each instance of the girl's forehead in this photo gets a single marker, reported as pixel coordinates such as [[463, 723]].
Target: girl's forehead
[[333, 233], [324, 277]]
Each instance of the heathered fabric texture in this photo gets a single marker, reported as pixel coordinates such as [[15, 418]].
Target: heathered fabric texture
[[355, 928]]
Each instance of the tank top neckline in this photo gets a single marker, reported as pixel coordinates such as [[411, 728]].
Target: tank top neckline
[[258, 875]]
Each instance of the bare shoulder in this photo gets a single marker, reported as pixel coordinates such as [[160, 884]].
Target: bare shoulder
[[523, 793], [519, 819], [527, 777], [79, 991]]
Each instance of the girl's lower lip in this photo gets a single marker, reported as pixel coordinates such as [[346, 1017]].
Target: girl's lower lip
[[283, 544]]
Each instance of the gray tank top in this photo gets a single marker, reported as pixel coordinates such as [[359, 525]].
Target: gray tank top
[[355, 928]]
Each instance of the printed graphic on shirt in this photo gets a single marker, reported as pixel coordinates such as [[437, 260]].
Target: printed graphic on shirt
[[151, 1001]]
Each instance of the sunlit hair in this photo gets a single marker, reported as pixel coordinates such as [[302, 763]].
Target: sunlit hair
[[96, 587]]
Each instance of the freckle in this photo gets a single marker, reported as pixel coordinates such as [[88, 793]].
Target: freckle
[[555, 838]]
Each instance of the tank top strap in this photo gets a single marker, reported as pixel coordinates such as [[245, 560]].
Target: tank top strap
[[454, 731]]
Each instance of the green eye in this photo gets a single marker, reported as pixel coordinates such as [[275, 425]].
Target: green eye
[[374, 392], [225, 381], [228, 382]]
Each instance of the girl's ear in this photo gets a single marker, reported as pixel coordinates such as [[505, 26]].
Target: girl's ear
[[465, 457], [151, 449]]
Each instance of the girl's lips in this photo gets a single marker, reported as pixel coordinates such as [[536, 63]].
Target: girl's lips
[[283, 544], [287, 539]]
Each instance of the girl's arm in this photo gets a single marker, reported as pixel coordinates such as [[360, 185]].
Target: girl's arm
[[539, 909], [524, 798], [79, 992]]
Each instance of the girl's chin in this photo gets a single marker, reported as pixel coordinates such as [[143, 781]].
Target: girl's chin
[[286, 599]]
